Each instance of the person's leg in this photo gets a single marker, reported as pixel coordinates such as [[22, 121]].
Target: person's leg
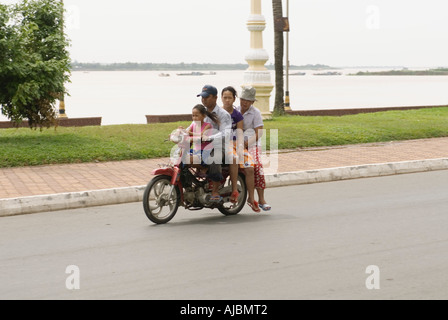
[[249, 170], [234, 180], [215, 190], [231, 160], [260, 181], [261, 199], [250, 183], [215, 173]]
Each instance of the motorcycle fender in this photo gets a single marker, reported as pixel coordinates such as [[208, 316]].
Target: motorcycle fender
[[163, 172], [172, 172]]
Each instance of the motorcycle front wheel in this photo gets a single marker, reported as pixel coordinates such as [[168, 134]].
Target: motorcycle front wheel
[[161, 200]]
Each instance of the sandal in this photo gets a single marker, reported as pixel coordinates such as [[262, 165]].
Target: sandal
[[215, 199], [234, 197], [254, 206], [265, 207]]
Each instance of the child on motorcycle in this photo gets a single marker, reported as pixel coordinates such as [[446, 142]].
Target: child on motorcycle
[[198, 132]]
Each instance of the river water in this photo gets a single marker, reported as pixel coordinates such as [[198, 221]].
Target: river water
[[123, 97]]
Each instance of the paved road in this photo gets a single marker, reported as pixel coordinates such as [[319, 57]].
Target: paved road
[[317, 244]]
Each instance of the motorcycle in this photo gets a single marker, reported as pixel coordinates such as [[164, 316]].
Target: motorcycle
[[178, 184]]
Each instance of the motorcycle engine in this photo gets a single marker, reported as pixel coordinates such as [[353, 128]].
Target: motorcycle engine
[[196, 197], [189, 196], [202, 196]]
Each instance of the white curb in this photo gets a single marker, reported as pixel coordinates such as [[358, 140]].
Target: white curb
[[74, 200], [355, 172], [64, 201]]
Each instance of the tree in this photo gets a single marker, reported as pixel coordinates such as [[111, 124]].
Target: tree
[[279, 106], [34, 61]]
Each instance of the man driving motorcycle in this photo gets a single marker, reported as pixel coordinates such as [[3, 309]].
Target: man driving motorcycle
[[220, 137]]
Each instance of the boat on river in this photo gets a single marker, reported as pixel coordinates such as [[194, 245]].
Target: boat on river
[[329, 74], [194, 73], [297, 74]]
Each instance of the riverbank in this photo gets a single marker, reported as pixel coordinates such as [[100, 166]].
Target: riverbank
[[134, 66], [405, 72], [25, 147]]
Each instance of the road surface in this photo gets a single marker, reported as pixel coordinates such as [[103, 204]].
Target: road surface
[[378, 238]]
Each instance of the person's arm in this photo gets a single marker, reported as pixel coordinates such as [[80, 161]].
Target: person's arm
[[204, 132], [225, 128], [188, 130], [253, 139], [258, 129], [240, 132]]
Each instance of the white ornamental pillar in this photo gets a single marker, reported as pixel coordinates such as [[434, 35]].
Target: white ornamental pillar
[[257, 75]]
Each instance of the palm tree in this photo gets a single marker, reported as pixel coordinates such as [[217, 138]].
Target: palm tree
[[279, 107]]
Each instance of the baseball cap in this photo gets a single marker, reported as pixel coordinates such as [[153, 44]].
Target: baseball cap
[[207, 91]]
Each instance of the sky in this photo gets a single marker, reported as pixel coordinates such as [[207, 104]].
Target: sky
[[410, 33]]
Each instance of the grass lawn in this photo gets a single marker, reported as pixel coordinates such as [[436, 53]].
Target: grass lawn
[[25, 147]]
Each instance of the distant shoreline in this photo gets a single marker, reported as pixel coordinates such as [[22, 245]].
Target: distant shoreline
[[131, 66], [211, 67], [406, 72]]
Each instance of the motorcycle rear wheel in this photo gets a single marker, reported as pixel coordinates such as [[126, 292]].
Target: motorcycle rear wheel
[[230, 209], [160, 207]]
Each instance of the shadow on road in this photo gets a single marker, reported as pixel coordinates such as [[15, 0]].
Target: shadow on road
[[216, 219]]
